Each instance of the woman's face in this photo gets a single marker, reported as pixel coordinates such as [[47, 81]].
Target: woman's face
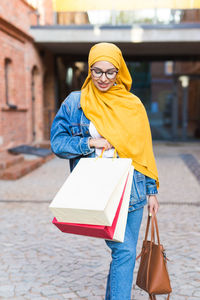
[[103, 75]]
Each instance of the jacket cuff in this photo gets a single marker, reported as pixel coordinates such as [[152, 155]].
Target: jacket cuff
[[84, 146], [151, 190]]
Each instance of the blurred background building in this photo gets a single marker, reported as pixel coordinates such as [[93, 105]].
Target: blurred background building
[[44, 48]]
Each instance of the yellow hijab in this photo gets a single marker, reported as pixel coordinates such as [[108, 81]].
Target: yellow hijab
[[118, 115]]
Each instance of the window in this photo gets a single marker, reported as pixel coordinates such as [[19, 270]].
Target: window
[[8, 65]]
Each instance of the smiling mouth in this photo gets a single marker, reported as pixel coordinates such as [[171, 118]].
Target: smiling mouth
[[103, 85]]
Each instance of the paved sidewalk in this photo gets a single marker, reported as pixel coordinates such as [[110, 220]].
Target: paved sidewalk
[[37, 261]]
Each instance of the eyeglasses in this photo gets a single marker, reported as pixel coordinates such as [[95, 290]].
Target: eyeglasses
[[110, 74]]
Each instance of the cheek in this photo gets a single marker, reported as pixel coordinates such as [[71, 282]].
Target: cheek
[[94, 81]]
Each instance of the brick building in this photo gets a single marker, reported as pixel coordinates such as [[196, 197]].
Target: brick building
[[27, 75], [23, 74]]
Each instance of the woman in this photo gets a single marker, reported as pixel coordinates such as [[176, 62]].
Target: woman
[[106, 115]]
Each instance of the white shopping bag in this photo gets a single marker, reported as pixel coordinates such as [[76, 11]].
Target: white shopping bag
[[92, 192], [122, 219]]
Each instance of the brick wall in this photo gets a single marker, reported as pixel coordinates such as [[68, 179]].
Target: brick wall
[[17, 124], [34, 89], [17, 12]]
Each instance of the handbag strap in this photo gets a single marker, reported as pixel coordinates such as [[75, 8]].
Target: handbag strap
[[146, 234], [147, 228], [153, 225], [156, 226]]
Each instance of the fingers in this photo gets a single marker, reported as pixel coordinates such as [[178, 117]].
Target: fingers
[[152, 212], [153, 205], [153, 209], [101, 143], [107, 145]]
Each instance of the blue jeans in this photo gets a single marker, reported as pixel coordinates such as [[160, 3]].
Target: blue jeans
[[120, 278]]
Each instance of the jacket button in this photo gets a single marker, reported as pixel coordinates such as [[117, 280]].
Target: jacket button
[[87, 132]]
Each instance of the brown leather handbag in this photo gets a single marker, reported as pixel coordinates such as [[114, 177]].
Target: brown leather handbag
[[152, 274]]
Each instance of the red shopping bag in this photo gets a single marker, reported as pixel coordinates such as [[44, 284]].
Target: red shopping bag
[[99, 231]]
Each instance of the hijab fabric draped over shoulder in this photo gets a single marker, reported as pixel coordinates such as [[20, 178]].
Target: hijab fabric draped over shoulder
[[118, 115]]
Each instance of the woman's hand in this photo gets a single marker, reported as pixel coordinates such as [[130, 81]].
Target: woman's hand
[[100, 143], [153, 204]]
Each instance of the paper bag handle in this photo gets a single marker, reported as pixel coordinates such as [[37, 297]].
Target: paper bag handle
[[102, 152]]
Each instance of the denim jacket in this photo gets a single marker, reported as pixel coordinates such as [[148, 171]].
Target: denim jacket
[[70, 140]]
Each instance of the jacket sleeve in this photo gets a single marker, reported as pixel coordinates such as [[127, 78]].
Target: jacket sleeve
[[151, 188], [63, 143]]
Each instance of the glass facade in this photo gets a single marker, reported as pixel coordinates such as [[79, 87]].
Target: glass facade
[[173, 110]]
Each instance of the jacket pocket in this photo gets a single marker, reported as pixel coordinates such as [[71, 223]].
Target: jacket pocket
[[75, 130], [138, 191]]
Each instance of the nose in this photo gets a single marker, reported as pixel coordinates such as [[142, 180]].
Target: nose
[[103, 77]]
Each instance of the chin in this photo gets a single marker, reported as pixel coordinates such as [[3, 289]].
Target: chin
[[104, 90]]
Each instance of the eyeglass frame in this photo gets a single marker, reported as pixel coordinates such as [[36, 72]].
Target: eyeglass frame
[[102, 72]]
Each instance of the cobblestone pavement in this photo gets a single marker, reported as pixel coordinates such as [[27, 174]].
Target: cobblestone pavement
[[37, 261]]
